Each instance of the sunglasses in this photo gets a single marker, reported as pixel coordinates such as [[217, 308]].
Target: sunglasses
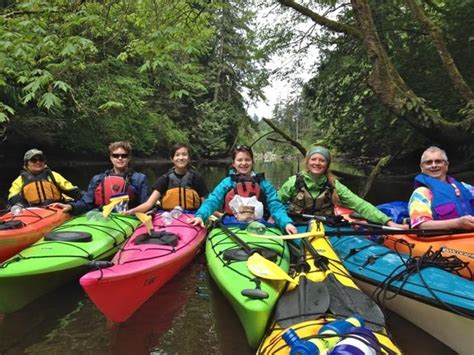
[[37, 160], [435, 161], [242, 147], [117, 156]]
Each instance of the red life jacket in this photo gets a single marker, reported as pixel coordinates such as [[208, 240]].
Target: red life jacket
[[244, 186], [113, 185]]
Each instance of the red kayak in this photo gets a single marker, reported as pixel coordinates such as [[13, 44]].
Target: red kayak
[[28, 226], [142, 266]]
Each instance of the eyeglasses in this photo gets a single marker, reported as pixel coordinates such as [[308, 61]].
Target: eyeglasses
[[435, 161], [37, 159], [242, 147], [117, 156]]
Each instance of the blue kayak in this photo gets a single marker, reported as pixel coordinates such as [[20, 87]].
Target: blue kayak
[[439, 302]]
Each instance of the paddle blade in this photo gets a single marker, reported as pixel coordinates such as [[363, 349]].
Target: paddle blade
[[266, 269], [146, 220], [306, 302], [107, 209], [317, 234]]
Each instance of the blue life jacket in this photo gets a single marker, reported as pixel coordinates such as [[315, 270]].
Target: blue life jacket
[[447, 203]]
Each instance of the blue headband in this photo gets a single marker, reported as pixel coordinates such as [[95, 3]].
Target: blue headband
[[319, 150]]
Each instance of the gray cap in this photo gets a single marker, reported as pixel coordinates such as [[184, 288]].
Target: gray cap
[[31, 153]]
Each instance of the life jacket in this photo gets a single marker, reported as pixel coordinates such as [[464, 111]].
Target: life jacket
[[112, 185], [40, 189], [450, 199], [244, 186], [180, 192], [304, 203]]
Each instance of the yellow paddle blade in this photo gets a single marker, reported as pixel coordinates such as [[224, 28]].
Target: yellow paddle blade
[[266, 269], [146, 220], [113, 202], [317, 234]]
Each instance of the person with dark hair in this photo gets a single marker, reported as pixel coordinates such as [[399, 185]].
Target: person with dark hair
[[38, 185], [113, 182], [181, 186], [315, 190], [244, 182], [439, 200]]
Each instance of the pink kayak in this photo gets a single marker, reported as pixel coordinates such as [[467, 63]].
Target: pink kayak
[[142, 266]]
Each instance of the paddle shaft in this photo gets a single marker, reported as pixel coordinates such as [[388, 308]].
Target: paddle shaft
[[246, 248]]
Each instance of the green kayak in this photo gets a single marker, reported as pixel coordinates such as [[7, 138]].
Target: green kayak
[[252, 298], [60, 256]]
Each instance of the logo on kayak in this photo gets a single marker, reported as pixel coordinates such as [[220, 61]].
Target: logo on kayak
[[458, 252], [149, 280]]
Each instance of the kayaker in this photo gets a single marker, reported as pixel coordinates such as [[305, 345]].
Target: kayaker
[[315, 190], [439, 201], [243, 181], [116, 181], [38, 185], [181, 186]]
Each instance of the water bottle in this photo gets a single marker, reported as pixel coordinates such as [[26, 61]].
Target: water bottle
[[256, 228], [333, 330], [122, 206], [16, 209], [166, 218], [298, 346], [95, 215], [176, 212], [359, 340]]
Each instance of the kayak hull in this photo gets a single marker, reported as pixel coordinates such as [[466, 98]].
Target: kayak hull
[[36, 222], [139, 270], [232, 277], [48, 264]]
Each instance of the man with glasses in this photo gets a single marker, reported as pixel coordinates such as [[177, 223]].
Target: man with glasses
[[439, 200], [38, 185], [113, 182]]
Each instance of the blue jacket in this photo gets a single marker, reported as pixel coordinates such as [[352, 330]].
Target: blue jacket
[[216, 198], [138, 181], [446, 203]]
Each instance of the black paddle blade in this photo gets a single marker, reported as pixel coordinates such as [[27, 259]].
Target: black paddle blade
[[347, 301], [309, 300]]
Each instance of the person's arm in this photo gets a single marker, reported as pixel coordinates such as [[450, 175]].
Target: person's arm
[[145, 206], [287, 191], [67, 188], [14, 195], [276, 207], [364, 208], [87, 201], [213, 202], [144, 190], [421, 215]]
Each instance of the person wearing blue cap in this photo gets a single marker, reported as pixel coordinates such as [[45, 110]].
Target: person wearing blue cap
[[38, 185], [315, 190]]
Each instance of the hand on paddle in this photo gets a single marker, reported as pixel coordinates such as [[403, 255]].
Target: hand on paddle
[[64, 206]]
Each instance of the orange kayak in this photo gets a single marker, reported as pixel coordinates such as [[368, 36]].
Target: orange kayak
[[21, 230]]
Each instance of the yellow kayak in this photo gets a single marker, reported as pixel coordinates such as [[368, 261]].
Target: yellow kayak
[[321, 294]]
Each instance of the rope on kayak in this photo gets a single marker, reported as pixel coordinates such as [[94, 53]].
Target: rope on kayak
[[414, 265]]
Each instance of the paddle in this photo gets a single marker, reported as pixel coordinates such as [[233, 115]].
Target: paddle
[[345, 300], [308, 301], [107, 209], [146, 220], [258, 261]]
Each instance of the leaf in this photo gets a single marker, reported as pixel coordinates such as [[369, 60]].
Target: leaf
[[111, 105], [49, 100]]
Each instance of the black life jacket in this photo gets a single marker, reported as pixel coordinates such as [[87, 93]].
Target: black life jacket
[[180, 191]]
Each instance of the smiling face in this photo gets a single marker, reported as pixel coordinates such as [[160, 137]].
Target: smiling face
[[181, 159], [36, 164], [120, 159], [243, 163], [317, 164], [434, 164]]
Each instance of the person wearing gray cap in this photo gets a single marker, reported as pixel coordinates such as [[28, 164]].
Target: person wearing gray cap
[[38, 185], [315, 190]]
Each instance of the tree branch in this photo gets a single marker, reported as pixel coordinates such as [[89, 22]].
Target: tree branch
[[286, 136]]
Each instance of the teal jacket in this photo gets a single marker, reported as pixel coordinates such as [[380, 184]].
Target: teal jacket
[[348, 199], [216, 198]]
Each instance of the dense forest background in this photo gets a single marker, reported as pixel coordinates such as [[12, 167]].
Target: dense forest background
[[75, 75]]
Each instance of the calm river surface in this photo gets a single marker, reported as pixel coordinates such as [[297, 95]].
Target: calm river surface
[[187, 316]]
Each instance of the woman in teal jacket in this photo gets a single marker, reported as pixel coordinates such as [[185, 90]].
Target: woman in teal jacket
[[316, 190], [255, 185]]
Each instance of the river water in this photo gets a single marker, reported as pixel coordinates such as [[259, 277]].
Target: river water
[[187, 316]]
